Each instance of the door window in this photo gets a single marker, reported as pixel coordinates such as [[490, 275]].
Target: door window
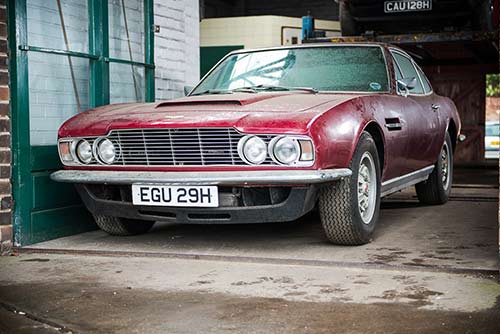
[[425, 81], [409, 71]]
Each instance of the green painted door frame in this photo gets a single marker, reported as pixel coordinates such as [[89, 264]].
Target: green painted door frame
[[43, 209], [210, 55]]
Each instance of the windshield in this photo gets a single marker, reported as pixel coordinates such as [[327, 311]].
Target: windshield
[[337, 68]]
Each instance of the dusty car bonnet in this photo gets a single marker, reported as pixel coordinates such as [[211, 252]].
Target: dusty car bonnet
[[245, 111]]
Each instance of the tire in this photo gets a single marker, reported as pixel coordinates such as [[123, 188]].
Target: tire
[[122, 226], [339, 202], [348, 26], [437, 188]]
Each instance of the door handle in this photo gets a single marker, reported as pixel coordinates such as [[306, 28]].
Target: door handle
[[435, 107]]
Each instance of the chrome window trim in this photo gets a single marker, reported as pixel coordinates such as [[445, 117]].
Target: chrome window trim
[[422, 79], [407, 56]]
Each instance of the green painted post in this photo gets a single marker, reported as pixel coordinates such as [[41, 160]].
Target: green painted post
[[20, 122], [149, 35], [99, 46]]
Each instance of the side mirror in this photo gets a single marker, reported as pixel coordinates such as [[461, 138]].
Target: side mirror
[[406, 84], [410, 82], [187, 90]]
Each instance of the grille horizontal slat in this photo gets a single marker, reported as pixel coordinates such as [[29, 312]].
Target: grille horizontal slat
[[178, 147]]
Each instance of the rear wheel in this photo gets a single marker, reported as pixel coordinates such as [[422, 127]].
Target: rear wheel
[[122, 226], [437, 188], [349, 208]]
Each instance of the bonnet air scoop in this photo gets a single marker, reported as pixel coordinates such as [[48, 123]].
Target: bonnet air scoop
[[235, 99], [195, 102]]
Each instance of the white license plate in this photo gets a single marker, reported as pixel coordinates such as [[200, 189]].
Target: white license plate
[[407, 6], [189, 196]]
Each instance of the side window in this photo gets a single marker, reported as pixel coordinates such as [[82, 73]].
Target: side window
[[425, 81], [397, 71], [409, 71]]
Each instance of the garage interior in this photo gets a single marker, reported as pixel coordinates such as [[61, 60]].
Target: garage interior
[[426, 258]]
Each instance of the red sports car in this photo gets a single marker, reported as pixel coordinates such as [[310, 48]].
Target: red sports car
[[265, 137]]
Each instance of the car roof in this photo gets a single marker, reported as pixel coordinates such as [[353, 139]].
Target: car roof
[[318, 45]]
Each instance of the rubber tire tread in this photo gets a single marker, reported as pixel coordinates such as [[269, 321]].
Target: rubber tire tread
[[122, 226], [338, 208], [431, 191]]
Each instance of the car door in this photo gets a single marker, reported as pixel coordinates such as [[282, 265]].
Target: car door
[[422, 119], [431, 104]]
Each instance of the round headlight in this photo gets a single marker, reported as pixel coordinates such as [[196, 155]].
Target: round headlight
[[252, 149], [84, 151], [286, 150], [106, 151]]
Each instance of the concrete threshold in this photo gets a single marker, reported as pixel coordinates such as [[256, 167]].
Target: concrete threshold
[[482, 272]]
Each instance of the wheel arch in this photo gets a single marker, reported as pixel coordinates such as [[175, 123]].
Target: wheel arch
[[452, 130], [374, 129]]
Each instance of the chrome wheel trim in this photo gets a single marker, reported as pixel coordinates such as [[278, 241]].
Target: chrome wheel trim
[[445, 166], [367, 188]]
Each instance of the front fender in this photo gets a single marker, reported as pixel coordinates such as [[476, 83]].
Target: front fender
[[336, 134]]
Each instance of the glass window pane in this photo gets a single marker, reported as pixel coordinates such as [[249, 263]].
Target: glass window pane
[[409, 71], [425, 81], [52, 96], [340, 68], [45, 26], [399, 76], [127, 83], [126, 29]]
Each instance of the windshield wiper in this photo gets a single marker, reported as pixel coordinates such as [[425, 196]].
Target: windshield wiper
[[226, 91], [274, 87], [213, 91], [244, 90], [255, 89]]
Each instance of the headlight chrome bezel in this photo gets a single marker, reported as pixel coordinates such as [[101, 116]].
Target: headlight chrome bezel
[[272, 150], [98, 154], [298, 142], [243, 142], [77, 160], [78, 153]]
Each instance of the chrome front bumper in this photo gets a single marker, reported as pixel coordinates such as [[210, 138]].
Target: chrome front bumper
[[274, 177]]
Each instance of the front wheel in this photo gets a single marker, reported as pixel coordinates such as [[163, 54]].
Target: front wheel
[[122, 226], [437, 188], [349, 208]]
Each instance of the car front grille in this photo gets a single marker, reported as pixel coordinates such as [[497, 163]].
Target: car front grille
[[179, 147]]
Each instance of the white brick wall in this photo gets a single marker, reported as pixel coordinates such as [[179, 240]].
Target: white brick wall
[[177, 46], [51, 95]]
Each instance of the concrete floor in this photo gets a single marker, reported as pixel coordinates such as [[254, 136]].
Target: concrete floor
[[432, 268], [458, 235]]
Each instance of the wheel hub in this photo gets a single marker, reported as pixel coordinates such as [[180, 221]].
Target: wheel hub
[[367, 188], [445, 165]]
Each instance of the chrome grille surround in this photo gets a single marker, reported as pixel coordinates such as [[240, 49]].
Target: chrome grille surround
[[167, 147]]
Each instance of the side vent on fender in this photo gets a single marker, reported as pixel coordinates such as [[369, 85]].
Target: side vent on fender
[[393, 124]]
